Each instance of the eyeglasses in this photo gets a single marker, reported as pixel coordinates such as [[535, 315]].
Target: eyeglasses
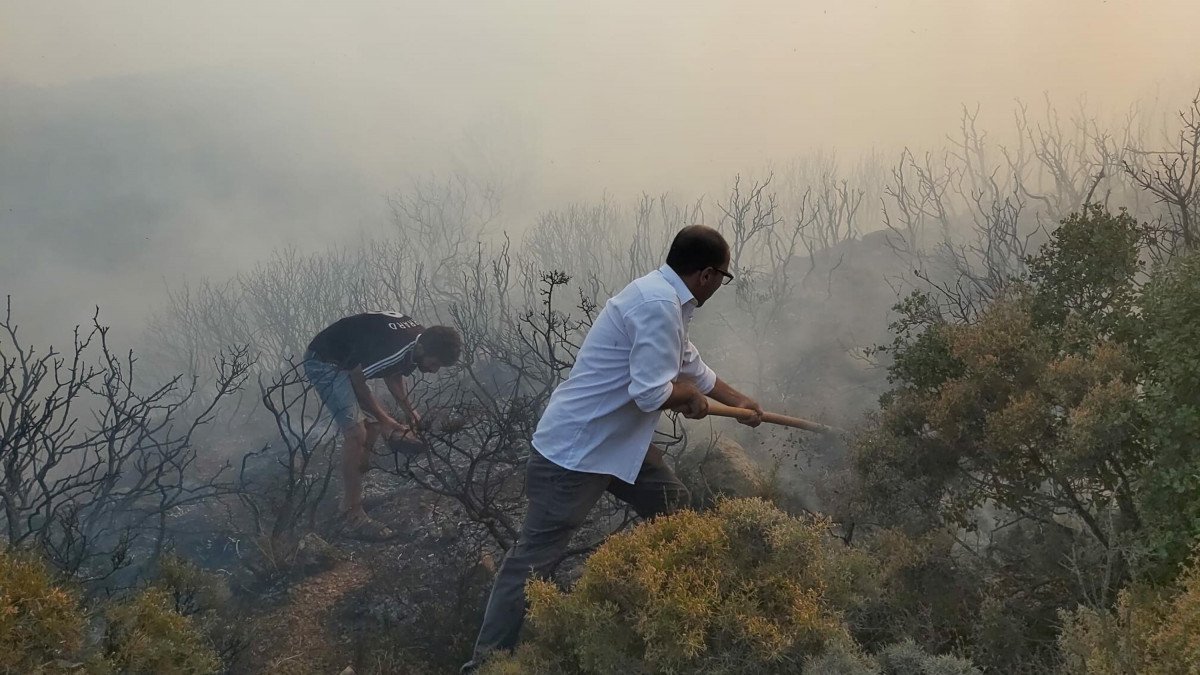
[[728, 277]]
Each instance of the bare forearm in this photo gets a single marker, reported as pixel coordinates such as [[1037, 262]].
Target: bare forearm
[[366, 399], [725, 393], [399, 392], [687, 399], [681, 392]]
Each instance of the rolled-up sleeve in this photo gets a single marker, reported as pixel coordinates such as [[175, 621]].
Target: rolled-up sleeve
[[656, 331], [696, 370]]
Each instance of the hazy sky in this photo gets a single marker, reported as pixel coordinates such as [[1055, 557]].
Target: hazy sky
[[139, 140]]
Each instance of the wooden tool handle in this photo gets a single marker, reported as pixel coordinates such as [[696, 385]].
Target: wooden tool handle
[[722, 410]]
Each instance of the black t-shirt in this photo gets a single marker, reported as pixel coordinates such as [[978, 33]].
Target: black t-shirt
[[381, 343]]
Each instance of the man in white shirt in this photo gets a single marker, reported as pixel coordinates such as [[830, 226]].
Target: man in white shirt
[[595, 435]]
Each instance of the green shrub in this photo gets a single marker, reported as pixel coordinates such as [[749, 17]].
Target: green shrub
[[744, 588], [41, 623], [192, 590], [1169, 495], [841, 662], [1063, 409], [1152, 631], [919, 590], [146, 635], [906, 658], [205, 599]]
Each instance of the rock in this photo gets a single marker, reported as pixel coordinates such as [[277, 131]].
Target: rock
[[314, 554], [406, 445], [721, 469]]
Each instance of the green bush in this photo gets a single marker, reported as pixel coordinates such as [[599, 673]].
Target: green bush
[[44, 628], [841, 662], [918, 590], [146, 635], [1052, 429], [205, 599], [1170, 492], [906, 658], [192, 590], [41, 623], [1152, 631], [742, 588]]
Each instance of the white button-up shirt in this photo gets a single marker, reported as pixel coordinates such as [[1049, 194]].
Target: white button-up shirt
[[602, 418]]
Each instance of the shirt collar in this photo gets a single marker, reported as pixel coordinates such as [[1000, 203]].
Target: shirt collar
[[681, 289]]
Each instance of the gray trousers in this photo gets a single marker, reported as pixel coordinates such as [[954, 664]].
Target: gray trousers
[[559, 502]]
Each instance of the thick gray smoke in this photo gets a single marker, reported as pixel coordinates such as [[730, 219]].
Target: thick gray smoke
[[142, 144]]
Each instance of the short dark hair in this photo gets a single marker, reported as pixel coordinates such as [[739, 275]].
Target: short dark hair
[[443, 343], [697, 247]]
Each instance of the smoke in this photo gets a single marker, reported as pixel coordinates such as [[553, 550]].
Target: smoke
[[112, 189], [144, 144]]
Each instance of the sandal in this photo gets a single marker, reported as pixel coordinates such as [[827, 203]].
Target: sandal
[[365, 528]]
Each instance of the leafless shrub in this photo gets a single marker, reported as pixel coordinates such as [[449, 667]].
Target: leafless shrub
[[283, 486], [516, 362], [1171, 177], [95, 464]]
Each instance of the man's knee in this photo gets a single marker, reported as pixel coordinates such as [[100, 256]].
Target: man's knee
[[356, 439], [677, 497], [536, 556], [371, 431]]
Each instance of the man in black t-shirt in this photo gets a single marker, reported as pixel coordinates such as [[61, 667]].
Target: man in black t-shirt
[[338, 363]]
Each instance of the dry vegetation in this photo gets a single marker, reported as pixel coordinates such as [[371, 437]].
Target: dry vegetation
[[1019, 495]]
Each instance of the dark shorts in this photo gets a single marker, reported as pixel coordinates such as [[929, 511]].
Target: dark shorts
[[334, 387]]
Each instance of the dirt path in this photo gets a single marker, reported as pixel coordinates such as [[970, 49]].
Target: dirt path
[[297, 637]]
